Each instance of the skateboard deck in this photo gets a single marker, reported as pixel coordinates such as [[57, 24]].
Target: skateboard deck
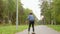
[[33, 33]]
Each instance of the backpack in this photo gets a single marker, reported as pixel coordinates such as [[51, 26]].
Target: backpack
[[31, 18]]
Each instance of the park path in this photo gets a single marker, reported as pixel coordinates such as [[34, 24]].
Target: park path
[[40, 30]]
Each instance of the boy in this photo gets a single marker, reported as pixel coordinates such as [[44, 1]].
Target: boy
[[31, 22]]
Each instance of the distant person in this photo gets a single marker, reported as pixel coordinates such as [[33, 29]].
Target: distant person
[[31, 22]]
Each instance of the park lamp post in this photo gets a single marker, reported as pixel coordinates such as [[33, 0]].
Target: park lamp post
[[16, 14]]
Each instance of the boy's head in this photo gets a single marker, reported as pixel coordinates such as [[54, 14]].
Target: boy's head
[[31, 13]]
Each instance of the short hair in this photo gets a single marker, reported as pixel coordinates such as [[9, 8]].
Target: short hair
[[31, 13]]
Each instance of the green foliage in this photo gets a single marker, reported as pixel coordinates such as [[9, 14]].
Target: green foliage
[[46, 11], [8, 12], [25, 15], [1, 10], [56, 9], [55, 27], [11, 29], [51, 12]]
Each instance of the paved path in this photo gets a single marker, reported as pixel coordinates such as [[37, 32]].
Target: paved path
[[40, 30]]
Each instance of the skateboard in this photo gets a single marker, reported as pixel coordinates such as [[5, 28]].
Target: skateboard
[[33, 33]]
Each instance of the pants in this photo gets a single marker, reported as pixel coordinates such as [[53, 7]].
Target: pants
[[31, 23]]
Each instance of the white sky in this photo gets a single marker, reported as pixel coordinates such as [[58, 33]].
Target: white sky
[[34, 6]]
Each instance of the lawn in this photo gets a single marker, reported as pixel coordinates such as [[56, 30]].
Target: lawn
[[11, 29], [55, 27]]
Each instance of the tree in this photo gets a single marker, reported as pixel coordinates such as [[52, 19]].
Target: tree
[[45, 12], [8, 12], [57, 10], [51, 13], [1, 11]]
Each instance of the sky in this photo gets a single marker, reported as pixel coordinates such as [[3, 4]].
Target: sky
[[34, 6]]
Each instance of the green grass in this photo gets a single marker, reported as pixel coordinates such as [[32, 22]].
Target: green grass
[[11, 29], [55, 27]]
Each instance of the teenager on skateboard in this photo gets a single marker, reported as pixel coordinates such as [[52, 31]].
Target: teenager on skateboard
[[31, 22]]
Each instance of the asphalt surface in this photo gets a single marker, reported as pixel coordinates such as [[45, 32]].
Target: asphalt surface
[[40, 30]]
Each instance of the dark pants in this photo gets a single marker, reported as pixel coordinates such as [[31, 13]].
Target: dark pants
[[31, 23]]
